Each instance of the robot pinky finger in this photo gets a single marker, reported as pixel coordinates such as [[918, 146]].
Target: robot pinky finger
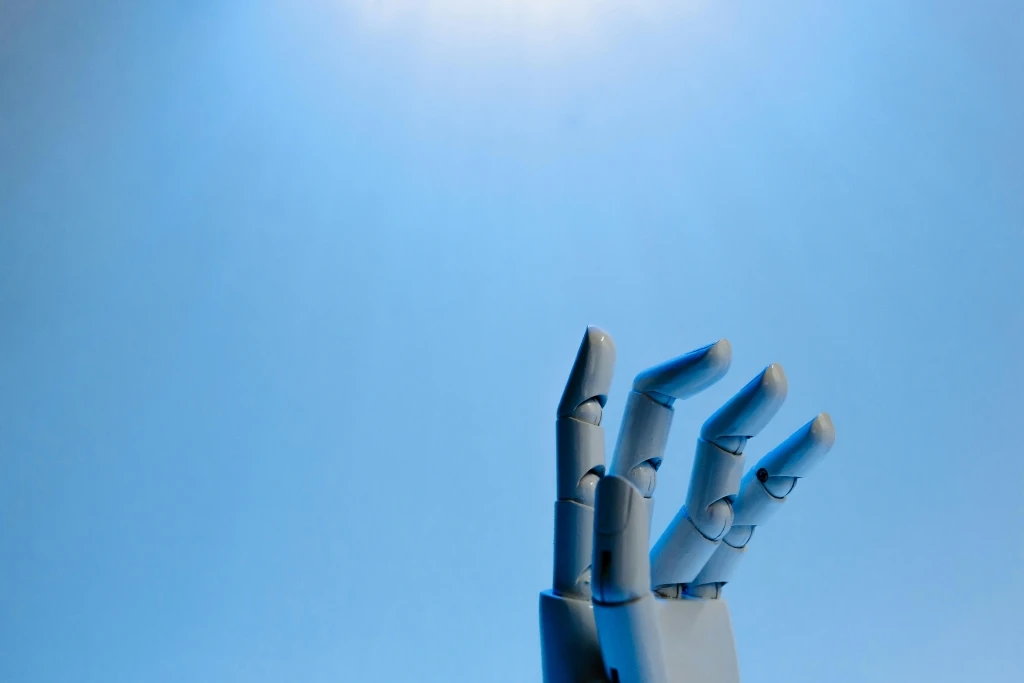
[[763, 491]]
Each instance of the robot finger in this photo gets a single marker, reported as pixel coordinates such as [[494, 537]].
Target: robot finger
[[624, 608], [648, 414], [748, 412], [579, 443], [697, 529], [763, 490]]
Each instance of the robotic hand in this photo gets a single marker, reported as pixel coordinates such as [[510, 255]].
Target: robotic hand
[[616, 613]]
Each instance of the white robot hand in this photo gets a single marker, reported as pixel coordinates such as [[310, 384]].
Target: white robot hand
[[617, 611]]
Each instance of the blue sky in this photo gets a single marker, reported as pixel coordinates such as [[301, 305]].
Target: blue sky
[[289, 292]]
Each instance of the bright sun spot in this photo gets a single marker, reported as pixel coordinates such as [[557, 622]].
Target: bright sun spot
[[540, 23]]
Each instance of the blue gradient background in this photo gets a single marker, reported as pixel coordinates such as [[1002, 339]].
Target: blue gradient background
[[289, 292]]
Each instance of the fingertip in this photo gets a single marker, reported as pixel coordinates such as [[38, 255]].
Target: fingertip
[[595, 337], [616, 498], [797, 455], [823, 431], [591, 375], [686, 375], [773, 382], [751, 409], [719, 355]]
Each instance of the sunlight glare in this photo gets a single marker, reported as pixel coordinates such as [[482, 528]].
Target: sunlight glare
[[547, 24]]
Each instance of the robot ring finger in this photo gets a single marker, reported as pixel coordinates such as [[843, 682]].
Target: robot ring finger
[[622, 612]]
